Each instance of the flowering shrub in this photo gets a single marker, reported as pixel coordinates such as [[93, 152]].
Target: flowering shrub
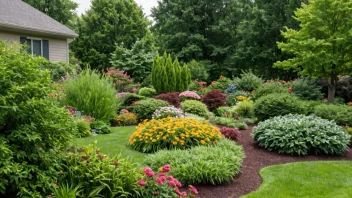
[[171, 133], [214, 99], [120, 80], [164, 112], [231, 133], [144, 109], [172, 98], [349, 103], [195, 107], [242, 98], [162, 184], [126, 119], [232, 98], [221, 84], [189, 95]]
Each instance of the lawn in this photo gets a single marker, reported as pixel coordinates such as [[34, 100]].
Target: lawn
[[306, 179], [115, 143]]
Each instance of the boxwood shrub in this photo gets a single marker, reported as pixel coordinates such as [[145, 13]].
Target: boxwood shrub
[[341, 114], [144, 109], [300, 134], [195, 107], [202, 164]]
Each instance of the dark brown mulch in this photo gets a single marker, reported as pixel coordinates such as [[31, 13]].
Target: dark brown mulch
[[256, 158]]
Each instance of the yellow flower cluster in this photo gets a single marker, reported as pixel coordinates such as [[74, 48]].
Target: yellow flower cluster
[[126, 119], [242, 98], [170, 133]]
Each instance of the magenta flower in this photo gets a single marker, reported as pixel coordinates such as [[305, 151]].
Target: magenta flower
[[141, 182], [166, 168], [190, 94]]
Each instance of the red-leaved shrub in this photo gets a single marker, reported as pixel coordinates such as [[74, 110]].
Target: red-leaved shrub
[[231, 133], [214, 99], [172, 98]]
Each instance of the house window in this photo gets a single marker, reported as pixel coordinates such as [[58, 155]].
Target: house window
[[35, 46]]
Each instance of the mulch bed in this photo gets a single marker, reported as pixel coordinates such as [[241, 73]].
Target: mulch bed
[[256, 158]]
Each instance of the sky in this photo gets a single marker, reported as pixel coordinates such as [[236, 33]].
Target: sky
[[84, 5]]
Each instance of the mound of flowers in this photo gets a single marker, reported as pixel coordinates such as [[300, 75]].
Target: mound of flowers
[[171, 133], [189, 95], [164, 112]]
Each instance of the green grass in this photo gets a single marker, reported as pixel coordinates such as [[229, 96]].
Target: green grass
[[306, 180], [115, 143]]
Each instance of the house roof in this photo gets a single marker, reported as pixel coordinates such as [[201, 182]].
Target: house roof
[[17, 15]]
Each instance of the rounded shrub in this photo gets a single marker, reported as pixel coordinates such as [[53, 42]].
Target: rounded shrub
[[195, 107], [164, 112], [126, 119], [299, 134], [130, 98], [230, 133], [147, 92], [92, 94], [341, 114], [83, 128], [307, 89], [269, 88], [248, 81], [245, 109], [221, 84], [202, 164], [214, 99], [277, 104], [171, 133], [189, 95], [144, 109], [172, 98], [232, 98]]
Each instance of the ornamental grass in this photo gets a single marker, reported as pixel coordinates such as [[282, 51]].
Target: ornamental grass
[[173, 133]]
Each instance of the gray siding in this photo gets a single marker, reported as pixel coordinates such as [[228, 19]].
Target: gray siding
[[9, 37]]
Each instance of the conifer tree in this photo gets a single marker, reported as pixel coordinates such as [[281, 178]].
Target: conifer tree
[[170, 71], [177, 74]]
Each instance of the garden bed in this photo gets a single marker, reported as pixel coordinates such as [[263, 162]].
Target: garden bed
[[257, 158]]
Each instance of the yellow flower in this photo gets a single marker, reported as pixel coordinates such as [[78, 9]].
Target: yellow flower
[[174, 143], [164, 138], [154, 140], [202, 142]]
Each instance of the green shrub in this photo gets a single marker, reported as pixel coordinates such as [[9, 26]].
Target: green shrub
[[245, 109], [195, 107], [59, 71], [144, 109], [130, 98], [232, 98], [91, 94], [100, 175], [299, 134], [307, 89], [195, 117], [33, 129], [222, 111], [277, 104], [100, 127], [349, 131], [309, 106], [83, 128], [221, 84], [126, 119], [198, 70], [341, 114], [147, 92], [269, 88], [230, 122], [248, 81], [147, 82], [203, 164]]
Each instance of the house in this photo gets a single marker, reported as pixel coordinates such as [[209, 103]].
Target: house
[[45, 36]]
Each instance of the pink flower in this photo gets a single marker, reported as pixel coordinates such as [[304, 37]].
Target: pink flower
[[161, 174], [148, 172], [190, 94], [178, 184], [156, 193], [161, 180], [166, 168], [134, 89], [172, 183], [141, 182], [183, 194], [193, 189], [178, 192], [290, 90], [170, 178]]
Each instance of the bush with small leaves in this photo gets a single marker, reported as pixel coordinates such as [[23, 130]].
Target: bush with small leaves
[[195, 107], [301, 135], [269, 88], [164, 112], [231, 133], [232, 98], [248, 81], [126, 119], [189, 95], [307, 89], [214, 99], [144, 109], [147, 92], [341, 114], [245, 109], [83, 128], [221, 84]]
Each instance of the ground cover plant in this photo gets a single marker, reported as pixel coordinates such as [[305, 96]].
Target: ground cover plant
[[301, 135], [230, 122], [305, 179], [171, 133], [202, 164]]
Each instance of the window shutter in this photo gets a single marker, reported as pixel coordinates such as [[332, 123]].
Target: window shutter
[[46, 49], [23, 40]]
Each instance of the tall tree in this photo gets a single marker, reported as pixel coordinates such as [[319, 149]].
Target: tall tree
[[61, 10], [323, 45], [107, 23]]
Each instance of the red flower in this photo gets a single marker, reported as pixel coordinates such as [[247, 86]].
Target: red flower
[[161, 180], [161, 174], [134, 89], [290, 90], [172, 183], [141, 182], [178, 184], [166, 168], [156, 193], [148, 172]]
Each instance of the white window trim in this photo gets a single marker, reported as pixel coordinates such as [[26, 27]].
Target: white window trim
[[38, 39]]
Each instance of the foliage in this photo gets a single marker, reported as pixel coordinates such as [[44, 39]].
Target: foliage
[[231, 89], [245, 109], [119, 21], [100, 127], [203, 164], [120, 80], [164, 112], [194, 107], [344, 88], [221, 84], [147, 92], [269, 88], [144, 109], [277, 104], [168, 76], [230, 133], [230, 122], [195, 117], [83, 128], [62, 11], [147, 82], [171, 133], [214, 99], [33, 129], [248, 81], [309, 106], [319, 46], [232, 98], [341, 114], [189, 95], [172, 98], [131, 98], [306, 89], [126, 119], [92, 94], [198, 70], [100, 175], [299, 134], [163, 184], [138, 59], [222, 112], [67, 191], [60, 70]]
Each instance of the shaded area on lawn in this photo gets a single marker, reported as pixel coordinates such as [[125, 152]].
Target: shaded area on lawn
[[115, 143]]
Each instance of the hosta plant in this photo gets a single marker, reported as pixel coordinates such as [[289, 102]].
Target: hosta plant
[[171, 133], [301, 135], [164, 112]]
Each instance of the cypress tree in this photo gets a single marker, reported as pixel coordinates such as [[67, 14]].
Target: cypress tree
[[188, 76], [156, 73], [171, 76], [178, 74], [163, 79]]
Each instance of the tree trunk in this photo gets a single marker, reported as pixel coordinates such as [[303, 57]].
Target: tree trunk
[[332, 88]]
